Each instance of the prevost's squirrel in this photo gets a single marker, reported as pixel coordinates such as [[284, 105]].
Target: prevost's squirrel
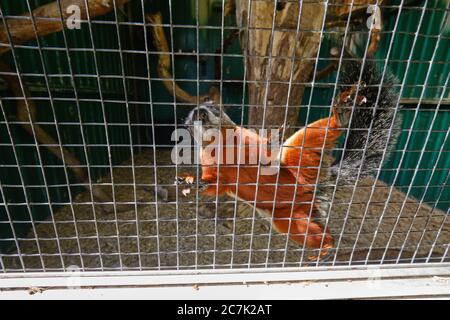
[[363, 111]]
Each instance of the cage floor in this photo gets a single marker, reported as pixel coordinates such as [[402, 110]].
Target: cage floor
[[182, 235]]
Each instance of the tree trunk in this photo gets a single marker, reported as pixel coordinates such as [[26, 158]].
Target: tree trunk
[[284, 44]]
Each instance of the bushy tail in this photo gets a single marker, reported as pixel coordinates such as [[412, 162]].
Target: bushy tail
[[371, 122]]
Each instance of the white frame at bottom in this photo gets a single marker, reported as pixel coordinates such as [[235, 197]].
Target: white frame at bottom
[[355, 282]]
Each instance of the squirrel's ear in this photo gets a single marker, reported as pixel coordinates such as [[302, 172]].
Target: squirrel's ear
[[207, 100]]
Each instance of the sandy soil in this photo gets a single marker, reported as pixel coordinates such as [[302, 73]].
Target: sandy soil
[[183, 235]]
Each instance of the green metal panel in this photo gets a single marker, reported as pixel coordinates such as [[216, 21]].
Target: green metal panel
[[431, 157], [55, 59], [427, 40], [415, 89]]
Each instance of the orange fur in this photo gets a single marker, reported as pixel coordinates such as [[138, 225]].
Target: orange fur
[[308, 144], [291, 206]]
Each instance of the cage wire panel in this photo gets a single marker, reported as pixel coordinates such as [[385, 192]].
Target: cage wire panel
[[87, 115]]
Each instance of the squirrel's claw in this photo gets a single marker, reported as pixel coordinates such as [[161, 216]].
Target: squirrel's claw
[[184, 180], [325, 254], [187, 181]]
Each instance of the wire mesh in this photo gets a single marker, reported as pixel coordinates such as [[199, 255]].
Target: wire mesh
[[88, 121]]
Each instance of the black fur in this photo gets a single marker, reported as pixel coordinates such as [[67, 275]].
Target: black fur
[[363, 117]]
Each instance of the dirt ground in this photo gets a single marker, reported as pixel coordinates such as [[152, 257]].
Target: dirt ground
[[184, 234]]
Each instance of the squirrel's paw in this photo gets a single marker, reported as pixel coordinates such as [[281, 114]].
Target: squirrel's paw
[[324, 255], [188, 182], [185, 179]]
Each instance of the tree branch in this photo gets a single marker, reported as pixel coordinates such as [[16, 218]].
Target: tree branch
[[48, 20], [164, 64]]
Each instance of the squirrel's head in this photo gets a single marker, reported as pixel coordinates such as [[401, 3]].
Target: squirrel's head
[[207, 117], [349, 97], [346, 100]]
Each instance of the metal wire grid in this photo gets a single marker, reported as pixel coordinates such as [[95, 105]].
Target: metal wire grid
[[127, 101]]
